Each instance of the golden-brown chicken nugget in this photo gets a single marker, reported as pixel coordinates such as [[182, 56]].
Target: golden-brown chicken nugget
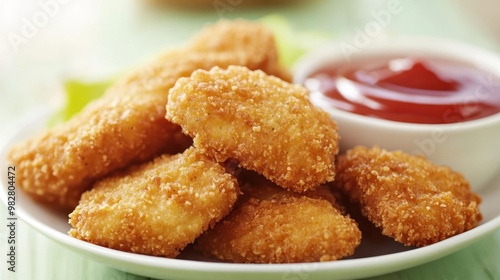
[[255, 42], [128, 124], [411, 199], [264, 123], [156, 208], [273, 225]]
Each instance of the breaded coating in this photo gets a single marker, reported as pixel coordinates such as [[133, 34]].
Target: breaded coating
[[156, 208], [128, 124], [250, 39], [273, 225], [57, 166], [411, 199], [224, 43], [264, 123]]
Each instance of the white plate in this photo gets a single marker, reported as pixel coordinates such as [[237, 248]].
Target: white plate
[[377, 255]]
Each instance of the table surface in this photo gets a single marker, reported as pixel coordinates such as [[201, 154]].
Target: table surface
[[97, 39]]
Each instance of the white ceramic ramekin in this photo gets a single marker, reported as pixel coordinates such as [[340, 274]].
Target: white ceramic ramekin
[[472, 147]]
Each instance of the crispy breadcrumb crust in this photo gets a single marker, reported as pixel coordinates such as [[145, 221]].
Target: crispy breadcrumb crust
[[272, 225], [128, 124], [156, 208], [253, 42], [264, 123], [411, 199]]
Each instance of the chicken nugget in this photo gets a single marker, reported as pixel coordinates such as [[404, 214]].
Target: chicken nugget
[[156, 208], [127, 125], [264, 123], [250, 38], [273, 225], [411, 199]]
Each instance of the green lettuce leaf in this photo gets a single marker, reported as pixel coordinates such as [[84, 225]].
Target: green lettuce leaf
[[292, 43], [78, 94]]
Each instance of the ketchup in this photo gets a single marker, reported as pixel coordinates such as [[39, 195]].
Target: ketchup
[[408, 89]]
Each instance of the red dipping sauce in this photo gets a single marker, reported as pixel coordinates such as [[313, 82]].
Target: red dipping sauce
[[409, 89]]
